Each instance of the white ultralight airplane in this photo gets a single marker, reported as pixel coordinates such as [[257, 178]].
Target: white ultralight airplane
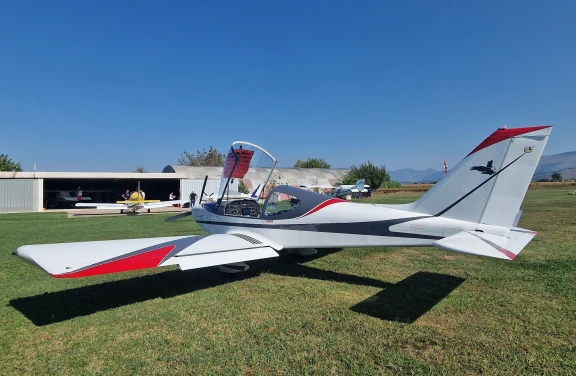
[[471, 210], [342, 190]]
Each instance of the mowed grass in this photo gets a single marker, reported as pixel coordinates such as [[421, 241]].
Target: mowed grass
[[357, 311]]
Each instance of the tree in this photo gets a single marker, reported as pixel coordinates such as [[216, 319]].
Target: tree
[[312, 163], [202, 158], [242, 188], [140, 169], [557, 177], [375, 176], [6, 164]]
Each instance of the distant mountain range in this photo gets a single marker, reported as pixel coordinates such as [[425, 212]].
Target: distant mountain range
[[565, 163], [408, 175]]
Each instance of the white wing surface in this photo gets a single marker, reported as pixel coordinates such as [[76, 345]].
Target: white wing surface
[[73, 260], [161, 204], [102, 206]]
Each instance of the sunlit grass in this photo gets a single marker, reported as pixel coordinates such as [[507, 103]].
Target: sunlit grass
[[358, 311]]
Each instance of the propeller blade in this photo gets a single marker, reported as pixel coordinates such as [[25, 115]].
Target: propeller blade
[[203, 188]]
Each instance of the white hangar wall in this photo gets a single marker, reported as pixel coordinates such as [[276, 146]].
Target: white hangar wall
[[188, 186], [21, 195]]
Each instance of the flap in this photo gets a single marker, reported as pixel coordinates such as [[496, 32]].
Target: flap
[[194, 261]]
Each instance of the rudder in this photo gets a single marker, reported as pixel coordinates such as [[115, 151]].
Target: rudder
[[489, 184]]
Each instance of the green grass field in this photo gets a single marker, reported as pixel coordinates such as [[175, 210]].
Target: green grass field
[[357, 311]]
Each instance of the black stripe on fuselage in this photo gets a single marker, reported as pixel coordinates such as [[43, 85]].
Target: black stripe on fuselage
[[477, 187], [373, 228]]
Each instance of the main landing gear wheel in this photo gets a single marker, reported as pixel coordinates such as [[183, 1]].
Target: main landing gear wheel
[[234, 268], [148, 210], [302, 251], [121, 211]]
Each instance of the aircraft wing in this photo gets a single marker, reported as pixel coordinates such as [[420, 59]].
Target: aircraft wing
[[102, 206], [73, 260], [317, 186], [161, 204]]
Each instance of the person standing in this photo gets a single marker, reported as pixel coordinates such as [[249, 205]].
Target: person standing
[[126, 195], [143, 195], [192, 199]]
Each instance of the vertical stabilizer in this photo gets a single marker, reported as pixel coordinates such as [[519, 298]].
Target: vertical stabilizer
[[488, 186], [257, 192], [360, 185]]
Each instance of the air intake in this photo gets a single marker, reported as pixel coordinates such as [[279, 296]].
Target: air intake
[[247, 238]]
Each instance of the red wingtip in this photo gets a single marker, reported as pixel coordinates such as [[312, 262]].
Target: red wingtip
[[502, 134], [145, 260]]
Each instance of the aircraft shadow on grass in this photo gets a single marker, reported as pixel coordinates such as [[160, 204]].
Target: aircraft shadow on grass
[[403, 302]]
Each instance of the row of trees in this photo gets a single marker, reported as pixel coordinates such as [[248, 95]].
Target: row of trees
[[376, 176], [556, 177]]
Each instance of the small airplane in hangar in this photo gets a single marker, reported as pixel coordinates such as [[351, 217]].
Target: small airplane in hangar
[[467, 212], [134, 203], [342, 190]]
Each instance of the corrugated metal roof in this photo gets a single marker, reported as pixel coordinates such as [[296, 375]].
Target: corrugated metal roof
[[290, 176], [89, 175]]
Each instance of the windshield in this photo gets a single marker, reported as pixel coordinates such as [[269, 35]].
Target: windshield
[[246, 172]]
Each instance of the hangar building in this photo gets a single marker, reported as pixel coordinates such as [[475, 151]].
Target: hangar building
[[36, 191]]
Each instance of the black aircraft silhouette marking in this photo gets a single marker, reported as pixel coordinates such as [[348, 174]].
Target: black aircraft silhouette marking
[[484, 169]]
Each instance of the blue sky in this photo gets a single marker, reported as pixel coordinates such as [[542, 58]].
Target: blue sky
[[108, 85]]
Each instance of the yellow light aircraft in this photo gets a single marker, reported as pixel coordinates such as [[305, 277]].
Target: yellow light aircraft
[[135, 203]]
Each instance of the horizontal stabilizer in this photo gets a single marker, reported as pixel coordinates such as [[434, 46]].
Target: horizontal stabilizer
[[483, 244]]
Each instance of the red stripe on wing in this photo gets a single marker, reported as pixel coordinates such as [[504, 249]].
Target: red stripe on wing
[[504, 134], [508, 254], [324, 204], [146, 260]]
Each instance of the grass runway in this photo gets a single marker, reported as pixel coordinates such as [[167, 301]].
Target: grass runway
[[357, 311]]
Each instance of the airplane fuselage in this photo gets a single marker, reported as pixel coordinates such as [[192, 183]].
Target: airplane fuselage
[[342, 224]]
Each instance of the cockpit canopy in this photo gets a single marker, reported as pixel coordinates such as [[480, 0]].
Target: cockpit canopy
[[238, 171]]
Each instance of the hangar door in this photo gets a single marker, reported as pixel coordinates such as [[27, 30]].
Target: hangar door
[[20, 195]]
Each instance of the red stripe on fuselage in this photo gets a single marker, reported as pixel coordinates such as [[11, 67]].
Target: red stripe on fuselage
[[145, 260], [504, 134], [324, 204]]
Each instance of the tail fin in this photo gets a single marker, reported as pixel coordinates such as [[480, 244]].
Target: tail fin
[[360, 185], [256, 194], [488, 186]]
